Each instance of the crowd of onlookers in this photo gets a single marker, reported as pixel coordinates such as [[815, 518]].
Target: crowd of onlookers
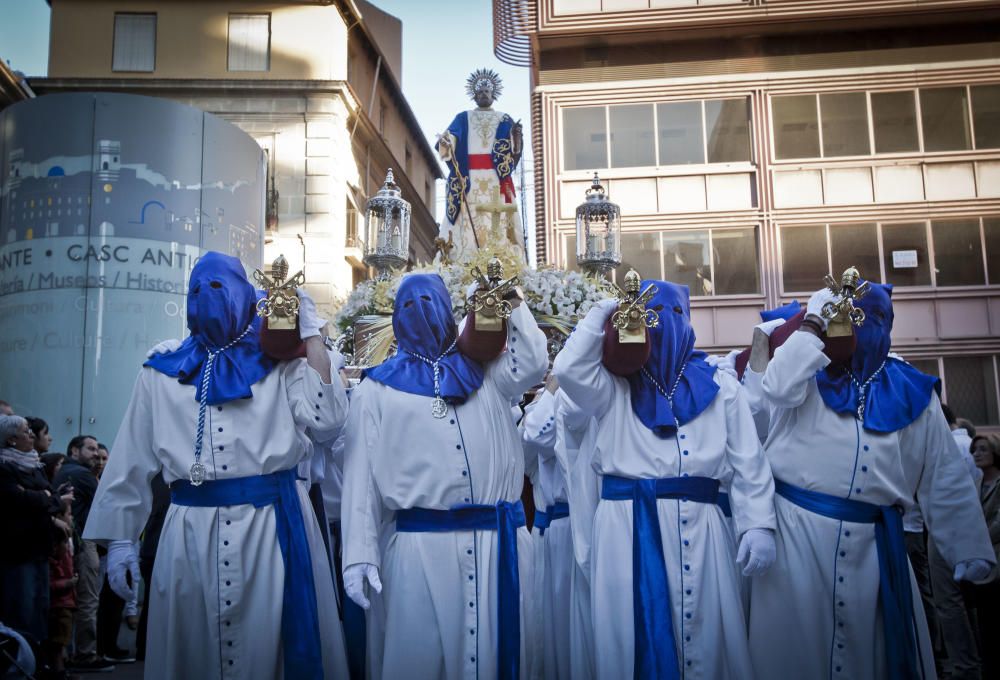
[[963, 618], [57, 613]]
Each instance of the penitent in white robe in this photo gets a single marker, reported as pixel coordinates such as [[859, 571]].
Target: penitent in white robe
[[816, 613], [218, 581], [439, 588], [555, 548], [703, 577]]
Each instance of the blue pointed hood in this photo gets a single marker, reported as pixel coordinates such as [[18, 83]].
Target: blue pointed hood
[[221, 305], [671, 352], [893, 393]]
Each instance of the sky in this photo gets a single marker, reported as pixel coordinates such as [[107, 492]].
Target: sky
[[443, 41]]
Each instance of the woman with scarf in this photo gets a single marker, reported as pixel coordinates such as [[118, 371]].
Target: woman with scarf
[[241, 585], [648, 530], [431, 446], [850, 446], [29, 510]]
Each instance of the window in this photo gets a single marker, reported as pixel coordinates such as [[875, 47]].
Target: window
[[727, 125], [845, 124], [408, 160], [685, 133], [986, 116], [585, 138], [803, 257], [686, 260], [893, 253], [134, 43], [945, 115], [991, 233], [958, 253], [735, 256], [841, 125], [906, 258], [971, 386], [632, 136], [796, 127], [894, 117], [680, 133], [855, 245], [643, 253], [249, 42]]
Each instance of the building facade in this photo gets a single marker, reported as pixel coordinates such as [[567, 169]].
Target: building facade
[[316, 83], [756, 145]]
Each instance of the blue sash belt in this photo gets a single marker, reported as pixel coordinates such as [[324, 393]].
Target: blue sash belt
[[504, 518], [723, 502], [655, 649], [543, 519], [300, 637], [894, 573]]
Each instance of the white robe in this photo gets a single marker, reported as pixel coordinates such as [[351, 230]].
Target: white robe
[[539, 431], [439, 588], [709, 626], [816, 613], [218, 582]]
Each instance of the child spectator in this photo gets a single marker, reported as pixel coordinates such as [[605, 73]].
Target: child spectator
[[62, 604]]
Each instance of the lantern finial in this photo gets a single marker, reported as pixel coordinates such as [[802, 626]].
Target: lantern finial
[[598, 231], [387, 228]]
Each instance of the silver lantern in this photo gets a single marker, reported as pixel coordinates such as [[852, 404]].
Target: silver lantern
[[598, 231], [387, 229]]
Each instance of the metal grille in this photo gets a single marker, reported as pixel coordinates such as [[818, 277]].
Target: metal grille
[[972, 388], [513, 21]]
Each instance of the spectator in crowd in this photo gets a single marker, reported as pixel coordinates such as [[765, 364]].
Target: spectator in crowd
[[147, 554], [101, 461], [52, 463], [960, 659], [111, 606], [29, 522], [62, 594], [963, 431], [986, 594], [78, 469], [5, 408], [40, 431]]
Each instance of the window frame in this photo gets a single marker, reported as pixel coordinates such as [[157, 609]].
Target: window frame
[[229, 27], [114, 39], [989, 281], [564, 238], [873, 154], [707, 167]]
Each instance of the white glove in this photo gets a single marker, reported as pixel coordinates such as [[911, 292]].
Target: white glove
[[471, 289], [726, 364], [768, 326], [599, 314], [121, 554], [816, 303], [354, 582], [972, 570], [757, 551], [309, 319], [164, 347]]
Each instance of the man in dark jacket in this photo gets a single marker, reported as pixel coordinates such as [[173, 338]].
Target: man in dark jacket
[[28, 522], [78, 470]]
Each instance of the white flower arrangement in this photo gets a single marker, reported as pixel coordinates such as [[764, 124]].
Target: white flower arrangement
[[556, 297]]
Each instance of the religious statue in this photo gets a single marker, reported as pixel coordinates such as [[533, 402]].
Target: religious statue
[[481, 148]]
